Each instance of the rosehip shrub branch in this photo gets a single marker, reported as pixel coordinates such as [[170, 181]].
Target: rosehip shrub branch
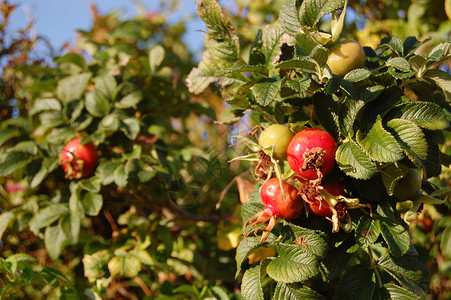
[[359, 117]]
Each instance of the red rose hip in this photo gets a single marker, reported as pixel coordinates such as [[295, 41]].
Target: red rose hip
[[311, 152], [78, 160]]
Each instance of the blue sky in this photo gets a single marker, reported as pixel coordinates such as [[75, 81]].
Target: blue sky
[[58, 20]]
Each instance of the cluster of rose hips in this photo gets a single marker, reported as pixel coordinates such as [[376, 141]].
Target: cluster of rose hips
[[310, 153]]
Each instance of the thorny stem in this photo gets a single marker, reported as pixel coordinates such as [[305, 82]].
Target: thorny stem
[[374, 267]]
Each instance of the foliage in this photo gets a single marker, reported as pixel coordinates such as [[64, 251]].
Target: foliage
[[390, 116], [143, 224]]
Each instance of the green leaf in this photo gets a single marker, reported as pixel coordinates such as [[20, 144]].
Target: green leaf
[[72, 87], [95, 265], [73, 58], [442, 79], [357, 75], [257, 69], [295, 263], [97, 104], [246, 247], [357, 283], [50, 214], [367, 231], [44, 104], [92, 184], [156, 57], [379, 144], [302, 64], [399, 63], [425, 114], [271, 43], [289, 18], [200, 78], [130, 100], [267, 91], [5, 218], [395, 292], [70, 225], [104, 171], [394, 43], [106, 85], [130, 127], [12, 162], [390, 174], [251, 285], [7, 134], [125, 265], [315, 241], [92, 203], [48, 165], [256, 55], [294, 291], [111, 122], [445, 241], [51, 119], [120, 176], [55, 240], [408, 271], [299, 85], [396, 236], [354, 162], [411, 137], [311, 11]]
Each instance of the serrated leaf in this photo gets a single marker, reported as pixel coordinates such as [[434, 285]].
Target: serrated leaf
[[411, 136], [95, 265], [106, 85], [326, 110], [92, 203], [251, 285], [394, 43], [55, 240], [354, 162], [28, 147], [256, 55], [311, 11], [445, 241], [425, 114], [299, 85], [50, 214], [399, 63], [293, 291], [7, 134], [258, 69], [130, 127], [156, 56], [130, 100], [395, 292], [289, 18], [110, 122], [315, 241], [72, 87], [367, 231], [267, 91], [271, 43], [96, 104], [396, 236], [379, 144], [104, 171], [408, 271], [442, 79], [70, 225], [246, 247], [13, 161], [390, 174], [294, 264], [48, 165], [302, 64], [5, 218], [120, 176], [44, 104], [125, 265], [357, 75], [200, 78], [357, 283]]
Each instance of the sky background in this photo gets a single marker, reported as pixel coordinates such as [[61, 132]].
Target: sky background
[[58, 20]]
